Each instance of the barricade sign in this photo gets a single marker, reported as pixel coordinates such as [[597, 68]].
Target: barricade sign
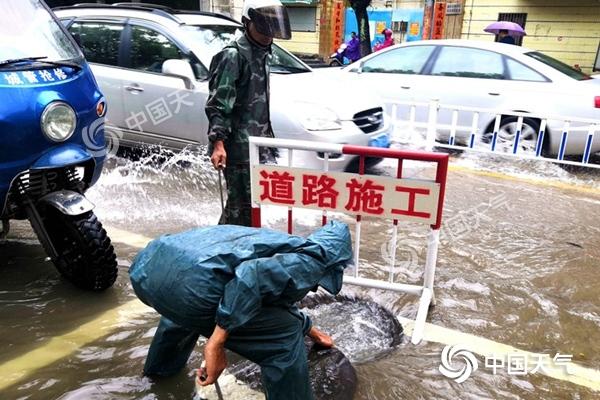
[[374, 196], [396, 199]]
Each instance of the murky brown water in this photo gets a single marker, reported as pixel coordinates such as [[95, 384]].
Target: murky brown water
[[518, 264]]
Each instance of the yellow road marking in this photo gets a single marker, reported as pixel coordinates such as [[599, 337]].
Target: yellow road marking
[[531, 180], [578, 375], [131, 239], [59, 347]]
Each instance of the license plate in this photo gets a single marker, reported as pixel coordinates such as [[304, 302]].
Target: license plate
[[380, 141]]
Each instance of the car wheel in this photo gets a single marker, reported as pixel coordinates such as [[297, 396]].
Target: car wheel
[[335, 63], [527, 139]]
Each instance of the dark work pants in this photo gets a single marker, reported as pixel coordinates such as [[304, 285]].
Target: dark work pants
[[239, 203], [274, 340]]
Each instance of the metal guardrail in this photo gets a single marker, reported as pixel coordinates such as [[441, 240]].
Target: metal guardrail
[[488, 142]]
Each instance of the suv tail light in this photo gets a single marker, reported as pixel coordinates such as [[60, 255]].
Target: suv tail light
[[597, 101]]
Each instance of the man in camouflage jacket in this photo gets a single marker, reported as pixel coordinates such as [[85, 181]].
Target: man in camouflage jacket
[[237, 108]]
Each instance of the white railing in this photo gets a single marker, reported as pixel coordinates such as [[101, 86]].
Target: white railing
[[478, 140]]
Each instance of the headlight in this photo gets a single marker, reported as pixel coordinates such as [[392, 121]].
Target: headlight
[[317, 118], [58, 121]]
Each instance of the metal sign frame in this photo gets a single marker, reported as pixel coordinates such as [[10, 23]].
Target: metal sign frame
[[426, 290]]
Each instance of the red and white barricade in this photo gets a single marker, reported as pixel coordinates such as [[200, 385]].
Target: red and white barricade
[[392, 198]]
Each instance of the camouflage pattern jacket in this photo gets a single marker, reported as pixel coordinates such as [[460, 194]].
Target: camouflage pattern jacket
[[238, 103]]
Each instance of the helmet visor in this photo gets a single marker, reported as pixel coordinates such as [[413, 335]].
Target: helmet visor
[[271, 21]]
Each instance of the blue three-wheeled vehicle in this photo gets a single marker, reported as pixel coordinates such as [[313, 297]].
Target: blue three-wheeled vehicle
[[52, 145]]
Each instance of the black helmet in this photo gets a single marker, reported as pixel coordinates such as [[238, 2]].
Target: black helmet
[[270, 18]]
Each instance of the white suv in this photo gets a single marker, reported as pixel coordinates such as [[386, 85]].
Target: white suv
[[152, 65]]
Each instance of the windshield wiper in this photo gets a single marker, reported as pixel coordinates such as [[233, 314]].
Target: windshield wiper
[[19, 60], [41, 59]]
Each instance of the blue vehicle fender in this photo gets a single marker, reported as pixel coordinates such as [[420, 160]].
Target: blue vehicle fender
[[62, 156]]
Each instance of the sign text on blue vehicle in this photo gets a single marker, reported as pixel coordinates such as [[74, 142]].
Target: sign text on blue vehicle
[[35, 76]]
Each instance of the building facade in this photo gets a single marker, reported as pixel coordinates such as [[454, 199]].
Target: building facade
[[566, 30]]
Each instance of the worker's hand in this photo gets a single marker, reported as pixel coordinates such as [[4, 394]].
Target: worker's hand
[[219, 155], [214, 356], [320, 338]]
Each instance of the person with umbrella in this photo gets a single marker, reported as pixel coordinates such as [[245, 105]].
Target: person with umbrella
[[506, 31], [504, 37]]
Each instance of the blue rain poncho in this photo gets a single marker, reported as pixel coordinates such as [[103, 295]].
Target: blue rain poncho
[[246, 280], [226, 274]]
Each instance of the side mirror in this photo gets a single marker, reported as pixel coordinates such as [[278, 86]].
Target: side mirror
[[180, 69]]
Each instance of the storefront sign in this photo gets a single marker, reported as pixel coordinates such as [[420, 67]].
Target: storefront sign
[[414, 29], [380, 27], [439, 18], [338, 24]]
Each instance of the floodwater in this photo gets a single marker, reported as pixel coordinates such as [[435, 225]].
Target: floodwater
[[518, 264]]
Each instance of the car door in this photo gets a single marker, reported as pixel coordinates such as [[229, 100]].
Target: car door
[[467, 77], [100, 42], [160, 109]]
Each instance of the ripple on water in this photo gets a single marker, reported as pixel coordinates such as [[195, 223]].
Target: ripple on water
[[121, 388]]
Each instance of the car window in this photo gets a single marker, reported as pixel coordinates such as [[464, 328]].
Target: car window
[[559, 65], [213, 38], [519, 72], [150, 49], [283, 62], [468, 63], [99, 41], [404, 60]]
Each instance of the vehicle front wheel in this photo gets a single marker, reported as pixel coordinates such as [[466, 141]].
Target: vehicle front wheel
[[86, 256], [528, 137]]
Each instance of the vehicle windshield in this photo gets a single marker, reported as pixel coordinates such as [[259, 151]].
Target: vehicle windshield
[[27, 30], [559, 65], [213, 38]]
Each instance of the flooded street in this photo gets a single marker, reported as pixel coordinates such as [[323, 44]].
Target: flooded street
[[518, 264]]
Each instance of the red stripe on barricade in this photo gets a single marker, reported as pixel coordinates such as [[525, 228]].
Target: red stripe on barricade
[[440, 177], [399, 172], [255, 216], [393, 153], [399, 176], [361, 171]]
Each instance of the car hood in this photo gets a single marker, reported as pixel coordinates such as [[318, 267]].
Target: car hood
[[323, 90]]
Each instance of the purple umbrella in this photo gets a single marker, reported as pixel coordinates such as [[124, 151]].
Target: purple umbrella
[[513, 29]]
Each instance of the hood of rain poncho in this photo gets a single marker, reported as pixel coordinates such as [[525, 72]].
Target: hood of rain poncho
[[231, 271]]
